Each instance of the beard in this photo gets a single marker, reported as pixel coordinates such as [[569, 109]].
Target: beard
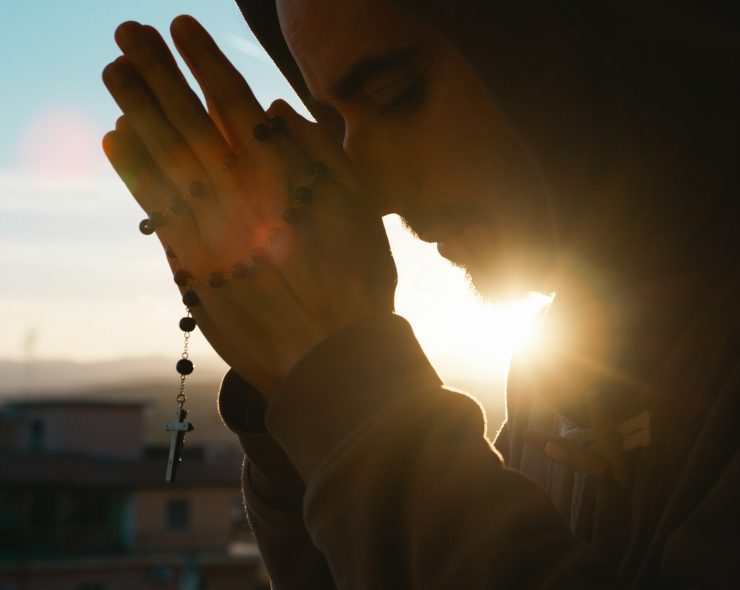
[[501, 265]]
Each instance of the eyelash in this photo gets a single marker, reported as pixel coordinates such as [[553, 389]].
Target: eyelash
[[411, 98]]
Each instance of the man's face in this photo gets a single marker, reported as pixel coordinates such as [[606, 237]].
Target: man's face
[[425, 137]]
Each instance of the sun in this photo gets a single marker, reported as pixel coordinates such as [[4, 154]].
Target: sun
[[462, 334]]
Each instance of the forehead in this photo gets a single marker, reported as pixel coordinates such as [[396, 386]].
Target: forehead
[[326, 37]]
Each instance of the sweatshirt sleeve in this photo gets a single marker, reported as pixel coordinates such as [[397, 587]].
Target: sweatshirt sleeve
[[273, 494], [402, 488]]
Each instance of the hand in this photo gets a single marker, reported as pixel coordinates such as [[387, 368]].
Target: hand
[[304, 279]]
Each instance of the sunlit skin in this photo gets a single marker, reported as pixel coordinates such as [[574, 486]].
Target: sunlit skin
[[310, 279]]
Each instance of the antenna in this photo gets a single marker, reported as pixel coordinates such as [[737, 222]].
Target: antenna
[[29, 347]]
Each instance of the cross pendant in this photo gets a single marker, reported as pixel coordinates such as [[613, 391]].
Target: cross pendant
[[178, 428]]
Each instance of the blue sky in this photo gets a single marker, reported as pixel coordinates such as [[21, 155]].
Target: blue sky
[[77, 280], [54, 51]]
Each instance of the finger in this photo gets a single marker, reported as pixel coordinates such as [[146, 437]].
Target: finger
[[233, 354], [229, 97], [182, 107], [166, 146], [151, 189], [317, 144]]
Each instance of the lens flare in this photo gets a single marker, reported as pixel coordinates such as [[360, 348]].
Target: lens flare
[[60, 141]]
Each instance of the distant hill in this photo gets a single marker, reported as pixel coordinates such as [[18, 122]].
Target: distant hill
[[17, 378], [153, 381]]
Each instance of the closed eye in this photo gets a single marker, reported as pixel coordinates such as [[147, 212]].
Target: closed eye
[[406, 94]]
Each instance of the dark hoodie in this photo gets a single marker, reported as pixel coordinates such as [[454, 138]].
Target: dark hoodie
[[365, 472]]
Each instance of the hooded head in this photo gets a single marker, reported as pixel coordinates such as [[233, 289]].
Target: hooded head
[[535, 142]]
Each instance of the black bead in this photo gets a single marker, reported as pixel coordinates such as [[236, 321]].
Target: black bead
[[276, 123], [145, 227], [198, 189], [187, 324], [216, 279], [156, 219], [259, 255], [293, 215], [240, 270], [318, 169], [261, 132], [178, 205], [182, 277], [190, 298], [184, 366], [303, 194]]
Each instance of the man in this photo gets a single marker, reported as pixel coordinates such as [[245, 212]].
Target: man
[[552, 146]]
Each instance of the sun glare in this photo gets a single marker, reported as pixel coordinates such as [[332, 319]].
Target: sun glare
[[464, 335], [60, 141]]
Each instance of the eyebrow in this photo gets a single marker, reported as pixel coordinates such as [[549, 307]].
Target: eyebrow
[[368, 68]]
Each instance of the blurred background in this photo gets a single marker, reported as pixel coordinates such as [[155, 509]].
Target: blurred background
[[90, 336]]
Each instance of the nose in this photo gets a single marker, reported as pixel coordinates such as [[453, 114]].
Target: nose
[[379, 163]]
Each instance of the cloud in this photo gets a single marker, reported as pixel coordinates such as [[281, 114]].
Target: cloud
[[25, 192], [248, 47]]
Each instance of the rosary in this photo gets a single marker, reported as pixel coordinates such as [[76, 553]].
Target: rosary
[[180, 426]]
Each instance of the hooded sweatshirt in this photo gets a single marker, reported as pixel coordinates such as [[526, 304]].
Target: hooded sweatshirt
[[365, 472]]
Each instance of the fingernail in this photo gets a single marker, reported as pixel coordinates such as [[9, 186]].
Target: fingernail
[[128, 34], [116, 72], [185, 23], [556, 452]]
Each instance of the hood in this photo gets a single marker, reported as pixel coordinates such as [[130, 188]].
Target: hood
[[666, 69]]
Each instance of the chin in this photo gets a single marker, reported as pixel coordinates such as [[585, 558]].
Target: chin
[[499, 281]]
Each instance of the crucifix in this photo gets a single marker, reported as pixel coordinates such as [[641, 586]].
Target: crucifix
[[178, 428]]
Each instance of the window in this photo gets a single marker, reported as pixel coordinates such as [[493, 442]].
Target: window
[[178, 515], [38, 429]]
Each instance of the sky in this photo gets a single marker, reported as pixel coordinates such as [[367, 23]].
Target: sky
[[77, 280]]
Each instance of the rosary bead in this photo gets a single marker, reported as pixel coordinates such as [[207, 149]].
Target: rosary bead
[[197, 189], [240, 270], [276, 123], [156, 219], [184, 366], [259, 255], [178, 204], [303, 194], [261, 132], [292, 215], [145, 227], [190, 299], [170, 253], [318, 169], [187, 324], [216, 279], [182, 277]]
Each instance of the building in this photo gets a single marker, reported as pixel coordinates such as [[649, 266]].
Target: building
[[84, 505]]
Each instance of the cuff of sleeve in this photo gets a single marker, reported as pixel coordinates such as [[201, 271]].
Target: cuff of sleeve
[[271, 475], [342, 383]]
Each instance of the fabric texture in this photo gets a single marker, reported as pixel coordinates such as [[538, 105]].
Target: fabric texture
[[365, 472]]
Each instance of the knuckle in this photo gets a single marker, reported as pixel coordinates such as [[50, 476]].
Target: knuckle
[[228, 98], [281, 108], [173, 147], [185, 114]]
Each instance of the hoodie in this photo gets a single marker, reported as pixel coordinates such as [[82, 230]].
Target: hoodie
[[365, 472]]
